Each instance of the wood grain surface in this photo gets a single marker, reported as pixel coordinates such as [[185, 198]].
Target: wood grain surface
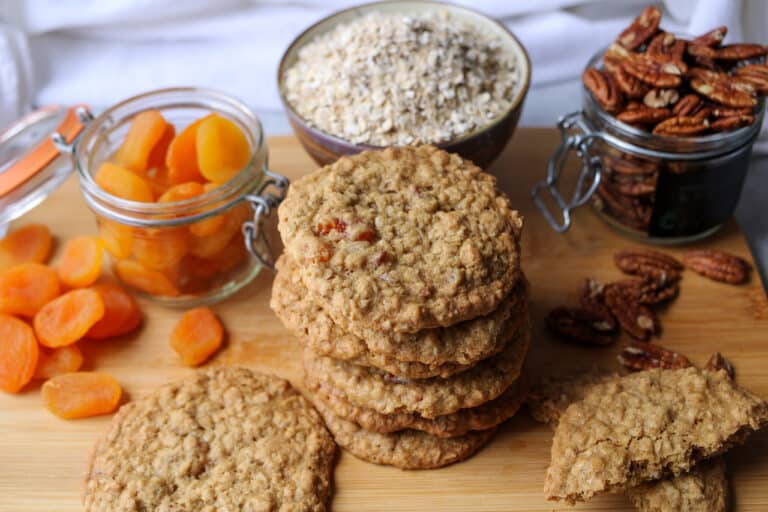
[[43, 459]]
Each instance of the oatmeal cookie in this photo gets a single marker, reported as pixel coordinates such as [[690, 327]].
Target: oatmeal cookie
[[704, 489], [402, 239], [467, 342], [482, 417], [387, 394], [645, 426], [222, 439], [407, 449]]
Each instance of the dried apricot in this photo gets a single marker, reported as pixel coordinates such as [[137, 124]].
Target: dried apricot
[[120, 312], [80, 263], [160, 248], [159, 180], [123, 183], [57, 361], [210, 225], [116, 238], [146, 131], [156, 157], [30, 243], [209, 246], [181, 158], [181, 192], [26, 288], [81, 394], [197, 335], [18, 353], [67, 318], [148, 281], [222, 149]]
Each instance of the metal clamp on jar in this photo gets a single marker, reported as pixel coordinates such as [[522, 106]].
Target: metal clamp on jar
[[659, 189]]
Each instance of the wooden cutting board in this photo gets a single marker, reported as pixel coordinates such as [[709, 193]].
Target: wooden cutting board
[[43, 459]]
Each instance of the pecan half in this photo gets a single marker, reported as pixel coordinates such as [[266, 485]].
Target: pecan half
[[645, 356], [641, 29], [630, 211], [700, 51], [591, 299], [726, 124], [628, 167], [637, 320], [718, 265], [681, 126], [666, 46], [644, 116], [687, 105], [719, 363], [661, 98], [650, 291], [726, 92], [755, 74], [731, 112], [741, 51], [648, 263], [578, 325], [657, 73], [629, 85], [713, 38], [637, 188], [603, 88]]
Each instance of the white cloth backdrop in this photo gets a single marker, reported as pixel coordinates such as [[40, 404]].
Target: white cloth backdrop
[[100, 51]]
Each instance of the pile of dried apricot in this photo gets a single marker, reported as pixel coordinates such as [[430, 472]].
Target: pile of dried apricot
[[154, 164], [45, 311]]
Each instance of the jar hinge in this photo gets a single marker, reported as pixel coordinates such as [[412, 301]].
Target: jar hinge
[[85, 116], [255, 239], [578, 136]]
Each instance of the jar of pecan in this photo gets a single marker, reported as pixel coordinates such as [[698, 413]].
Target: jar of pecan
[[652, 187]]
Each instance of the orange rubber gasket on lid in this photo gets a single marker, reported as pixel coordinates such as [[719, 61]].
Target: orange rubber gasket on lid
[[42, 155]]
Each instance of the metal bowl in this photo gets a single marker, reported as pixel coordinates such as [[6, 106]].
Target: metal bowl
[[481, 146]]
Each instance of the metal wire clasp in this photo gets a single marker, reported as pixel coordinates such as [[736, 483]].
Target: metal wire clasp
[[576, 135], [255, 239]]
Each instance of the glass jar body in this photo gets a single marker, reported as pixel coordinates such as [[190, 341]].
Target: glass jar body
[[184, 252]]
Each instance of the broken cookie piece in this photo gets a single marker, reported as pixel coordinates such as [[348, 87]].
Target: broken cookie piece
[[704, 489], [646, 426]]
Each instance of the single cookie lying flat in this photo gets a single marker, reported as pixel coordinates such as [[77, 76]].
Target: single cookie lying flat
[[469, 342], [373, 389], [223, 439], [407, 449], [402, 239], [645, 426], [482, 417], [704, 489]]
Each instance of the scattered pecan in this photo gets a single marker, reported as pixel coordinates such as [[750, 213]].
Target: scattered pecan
[[637, 320], [726, 92], [629, 85], [603, 88], [591, 299], [755, 74], [578, 325], [645, 356], [628, 167], [687, 105], [666, 46], [648, 263], [681, 126], [741, 51], [644, 116], [641, 29], [653, 72], [650, 291], [718, 265], [726, 124], [661, 98], [719, 363], [712, 39]]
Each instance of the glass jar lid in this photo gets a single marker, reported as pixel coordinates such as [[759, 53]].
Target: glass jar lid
[[33, 159]]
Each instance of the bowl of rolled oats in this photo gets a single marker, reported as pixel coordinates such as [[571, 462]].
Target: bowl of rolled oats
[[398, 73]]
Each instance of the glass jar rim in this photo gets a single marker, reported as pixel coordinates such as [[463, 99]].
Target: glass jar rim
[[697, 147], [177, 212]]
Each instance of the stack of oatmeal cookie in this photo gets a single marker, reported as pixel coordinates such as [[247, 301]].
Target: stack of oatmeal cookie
[[401, 276]]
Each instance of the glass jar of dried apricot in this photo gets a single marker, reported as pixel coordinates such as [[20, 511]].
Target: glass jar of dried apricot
[[179, 183]]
